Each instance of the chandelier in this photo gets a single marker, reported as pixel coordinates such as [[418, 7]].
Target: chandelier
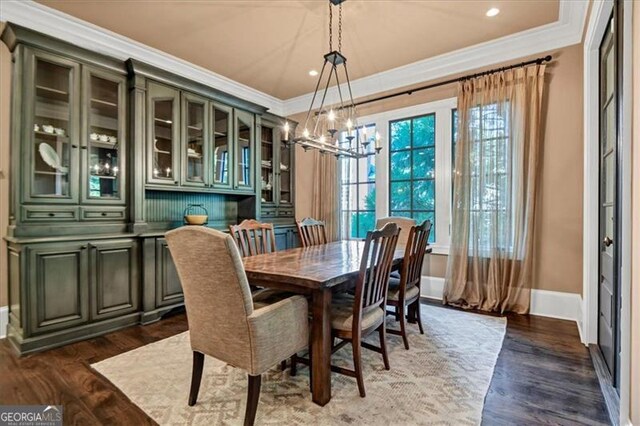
[[334, 128]]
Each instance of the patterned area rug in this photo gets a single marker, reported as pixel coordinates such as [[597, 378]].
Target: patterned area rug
[[442, 379]]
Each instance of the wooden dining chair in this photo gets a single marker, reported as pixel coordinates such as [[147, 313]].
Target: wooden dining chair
[[354, 317], [312, 232], [224, 321], [253, 237], [404, 292]]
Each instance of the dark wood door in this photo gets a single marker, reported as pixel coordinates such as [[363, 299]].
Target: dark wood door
[[608, 288], [113, 273], [58, 286]]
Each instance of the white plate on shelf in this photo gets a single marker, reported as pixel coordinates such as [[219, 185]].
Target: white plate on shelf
[[50, 156]]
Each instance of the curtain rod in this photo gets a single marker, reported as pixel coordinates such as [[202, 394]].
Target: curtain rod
[[538, 61]]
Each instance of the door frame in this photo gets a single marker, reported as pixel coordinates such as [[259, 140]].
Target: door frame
[[598, 20]]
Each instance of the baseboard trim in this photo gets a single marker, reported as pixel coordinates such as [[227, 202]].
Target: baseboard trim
[[4, 321], [544, 303], [611, 397]]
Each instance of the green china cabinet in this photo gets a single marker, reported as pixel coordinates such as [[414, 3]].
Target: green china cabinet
[[276, 170], [106, 155]]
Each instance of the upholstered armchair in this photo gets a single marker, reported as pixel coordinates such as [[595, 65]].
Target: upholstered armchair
[[223, 321], [404, 223]]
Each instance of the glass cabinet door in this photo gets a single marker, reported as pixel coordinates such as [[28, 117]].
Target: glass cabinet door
[[285, 186], [267, 166], [103, 138], [54, 146], [222, 150], [245, 124], [195, 150], [164, 137]]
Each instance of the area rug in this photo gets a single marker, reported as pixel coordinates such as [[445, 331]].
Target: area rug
[[442, 379]]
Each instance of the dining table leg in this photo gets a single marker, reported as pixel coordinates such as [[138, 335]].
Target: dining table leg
[[321, 346]]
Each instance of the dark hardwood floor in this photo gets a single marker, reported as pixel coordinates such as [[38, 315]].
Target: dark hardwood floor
[[544, 375]]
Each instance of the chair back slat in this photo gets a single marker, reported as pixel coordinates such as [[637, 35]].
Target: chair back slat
[[253, 237], [312, 232], [375, 267], [414, 256]]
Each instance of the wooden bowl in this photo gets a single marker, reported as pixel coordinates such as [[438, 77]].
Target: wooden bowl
[[196, 219]]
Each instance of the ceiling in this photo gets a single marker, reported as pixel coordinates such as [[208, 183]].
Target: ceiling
[[272, 45]]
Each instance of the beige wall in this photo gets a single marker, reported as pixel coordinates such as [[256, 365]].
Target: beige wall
[[635, 218], [558, 236], [5, 98]]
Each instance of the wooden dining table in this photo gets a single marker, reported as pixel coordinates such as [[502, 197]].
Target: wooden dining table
[[318, 271]]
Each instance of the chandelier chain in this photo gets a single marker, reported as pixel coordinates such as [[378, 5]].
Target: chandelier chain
[[330, 28], [340, 28]]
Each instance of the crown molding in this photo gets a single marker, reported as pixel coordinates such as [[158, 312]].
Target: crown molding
[[566, 31], [54, 23]]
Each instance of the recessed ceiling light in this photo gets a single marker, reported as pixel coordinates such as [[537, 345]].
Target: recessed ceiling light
[[313, 73], [493, 12]]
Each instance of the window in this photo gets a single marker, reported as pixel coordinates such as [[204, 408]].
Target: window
[[410, 177], [489, 154], [412, 169], [357, 187]]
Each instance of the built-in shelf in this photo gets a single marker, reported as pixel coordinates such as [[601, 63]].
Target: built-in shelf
[[51, 135], [105, 103], [159, 151], [104, 177], [38, 172], [49, 92]]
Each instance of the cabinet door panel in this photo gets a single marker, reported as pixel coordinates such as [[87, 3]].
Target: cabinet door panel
[[195, 146], [168, 287], [103, 138], [58, 286], [245, 150], [282, 239], [222, 152], [163, 145], [113, 273], [51, 149]]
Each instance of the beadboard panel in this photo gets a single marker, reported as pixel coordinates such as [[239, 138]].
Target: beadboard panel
[[169, 206]]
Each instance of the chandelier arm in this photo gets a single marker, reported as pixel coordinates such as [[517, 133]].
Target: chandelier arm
[[353, 104], [339, 89], [315, 93], [324, 95]]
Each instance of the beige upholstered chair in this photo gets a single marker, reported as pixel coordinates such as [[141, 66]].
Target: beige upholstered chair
[[405, 291], [223, 320], [404, 223]]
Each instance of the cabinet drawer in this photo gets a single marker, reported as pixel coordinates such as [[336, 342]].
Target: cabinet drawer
[[49, 213], [103, 213], [268, 213], [285, 212]]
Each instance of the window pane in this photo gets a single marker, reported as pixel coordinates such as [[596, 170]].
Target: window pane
[[400, 195], [366, 222], [400, 134], [421, 217], [400, 164], [424, 163], [424, 197], [367, 196], [424, 131]]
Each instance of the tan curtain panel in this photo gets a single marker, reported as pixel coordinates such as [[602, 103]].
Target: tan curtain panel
[[494, 201], [325, 192]]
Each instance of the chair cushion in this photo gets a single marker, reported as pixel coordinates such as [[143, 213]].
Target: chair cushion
[[394, 292], [342, 314], [267, 296]]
